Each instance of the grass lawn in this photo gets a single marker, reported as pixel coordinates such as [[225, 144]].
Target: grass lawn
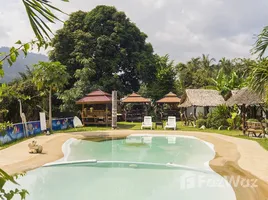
[[137, 126]]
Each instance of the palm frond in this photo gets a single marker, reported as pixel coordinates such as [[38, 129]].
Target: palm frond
[[261, 43], [39, 13]]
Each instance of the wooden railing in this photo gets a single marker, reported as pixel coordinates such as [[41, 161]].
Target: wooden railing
[[96, 117]]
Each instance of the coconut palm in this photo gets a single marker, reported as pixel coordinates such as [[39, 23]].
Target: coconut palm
[[207, 65], [39, 12], [261, 43], [206, 62], [259, 77], [226, 65]]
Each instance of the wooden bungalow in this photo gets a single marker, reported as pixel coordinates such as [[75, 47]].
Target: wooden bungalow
[[96, 108], [249, 102], [138, 107], [172, 100], [196, 101]]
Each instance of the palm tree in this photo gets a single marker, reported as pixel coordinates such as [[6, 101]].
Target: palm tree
[[207, 65], [207, 62], [243, 66], [226, 65], [259, 77], [261, 43], [194, 63], [39, 12]]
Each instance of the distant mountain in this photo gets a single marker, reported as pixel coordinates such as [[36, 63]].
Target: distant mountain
[[20, 65]]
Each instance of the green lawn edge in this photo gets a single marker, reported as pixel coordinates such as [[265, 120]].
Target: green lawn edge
[[137, 126]]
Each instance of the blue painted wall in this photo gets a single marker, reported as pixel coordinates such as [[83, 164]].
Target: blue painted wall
[[17, 130]]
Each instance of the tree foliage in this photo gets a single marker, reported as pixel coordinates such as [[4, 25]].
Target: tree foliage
[[49, 77], [164, 81], [24, 89], [226, 83], [122, 58], [79, 89], [259, 77], [9, 194], [39, 12], [203, 72], [261, 43]]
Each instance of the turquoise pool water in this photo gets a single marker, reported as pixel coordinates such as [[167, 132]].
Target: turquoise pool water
[[144, 167]]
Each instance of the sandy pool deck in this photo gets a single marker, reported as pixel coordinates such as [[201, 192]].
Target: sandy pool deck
[[239, 158]]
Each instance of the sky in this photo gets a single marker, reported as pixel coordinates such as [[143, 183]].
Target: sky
[[181, 28]]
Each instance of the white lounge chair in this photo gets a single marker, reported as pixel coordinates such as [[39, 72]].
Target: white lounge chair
[[171, 123], [147, 122]]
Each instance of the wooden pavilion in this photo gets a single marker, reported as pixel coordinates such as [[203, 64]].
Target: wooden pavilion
[[172, 100], [250, 103], [96, 108], [138, 108]]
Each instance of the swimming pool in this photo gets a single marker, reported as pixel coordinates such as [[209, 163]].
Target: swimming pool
[[141, 166]]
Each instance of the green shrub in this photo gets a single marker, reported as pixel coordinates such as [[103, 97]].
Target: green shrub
[[201, 122], [218, 117], [234, 123], [200, 115]]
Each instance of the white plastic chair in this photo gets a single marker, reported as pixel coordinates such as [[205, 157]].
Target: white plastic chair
[[147, 122], [171, 123]]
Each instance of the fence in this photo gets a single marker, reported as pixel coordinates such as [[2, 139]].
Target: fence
[[17, 130]]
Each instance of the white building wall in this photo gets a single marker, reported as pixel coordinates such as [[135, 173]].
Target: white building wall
[[198, 110]]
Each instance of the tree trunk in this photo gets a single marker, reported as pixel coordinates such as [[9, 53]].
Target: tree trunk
[[50, 110]]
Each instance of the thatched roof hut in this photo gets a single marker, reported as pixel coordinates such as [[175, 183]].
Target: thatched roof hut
[[170, 98], [245, 96], [201, 98], [135, 98]]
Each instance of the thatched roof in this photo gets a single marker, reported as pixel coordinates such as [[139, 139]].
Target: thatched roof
[[244, 96], [201, 98], [135, 98], [169, 98], [96, 97]]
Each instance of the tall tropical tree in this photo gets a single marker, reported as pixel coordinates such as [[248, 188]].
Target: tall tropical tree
[[105, 36], [226, 65], [49, 77], [208, 67], [259, 77], [186, 74], [164, 81]]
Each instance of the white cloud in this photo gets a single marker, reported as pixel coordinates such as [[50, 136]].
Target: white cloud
[[180, 28]]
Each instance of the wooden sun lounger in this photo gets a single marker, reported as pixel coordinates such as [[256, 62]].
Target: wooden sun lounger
[[255, 129]]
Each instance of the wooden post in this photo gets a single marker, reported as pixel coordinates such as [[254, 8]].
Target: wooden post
[[82, 114], [146, 110], [114, 109], [243, 108], [106, 114]]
